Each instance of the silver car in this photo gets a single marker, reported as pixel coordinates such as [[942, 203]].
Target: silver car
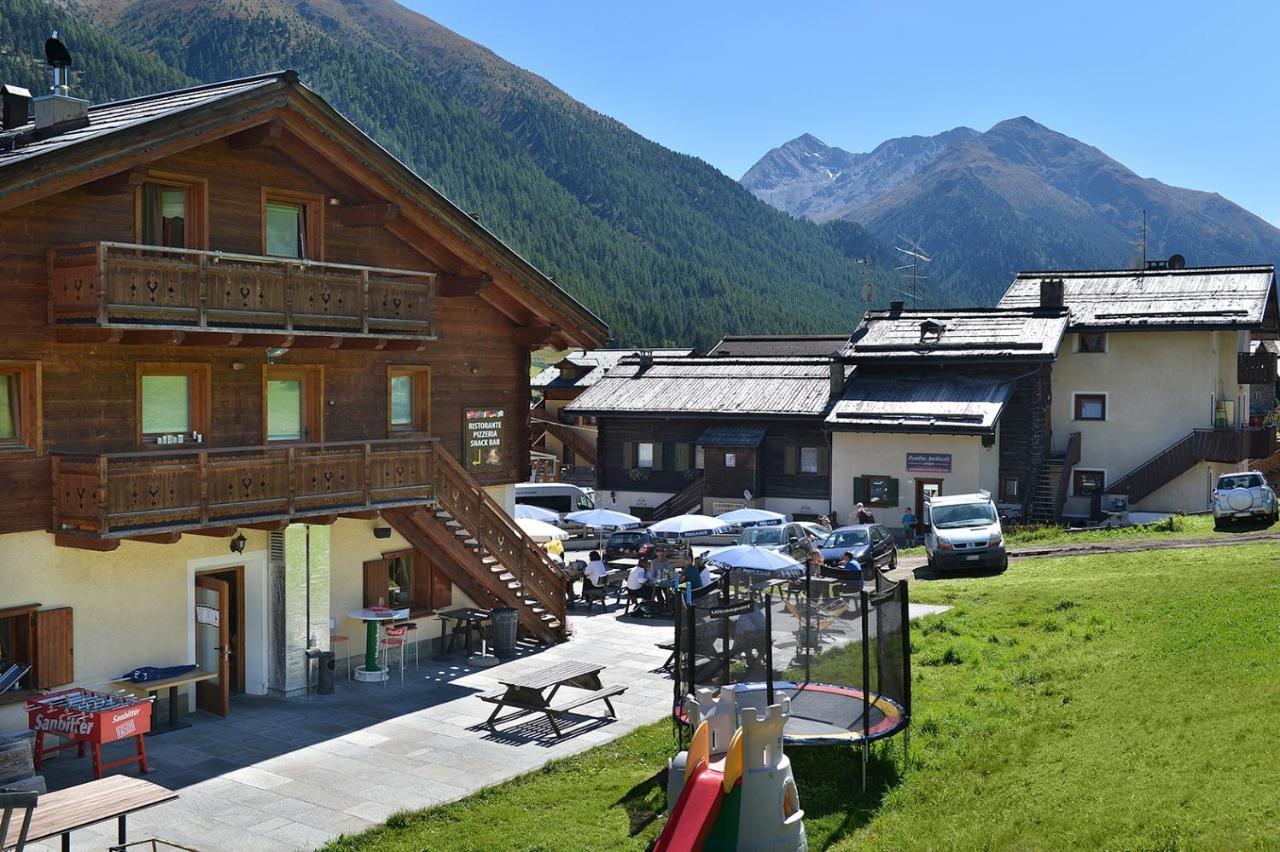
[[1240, 496]]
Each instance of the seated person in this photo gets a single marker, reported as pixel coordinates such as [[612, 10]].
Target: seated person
[[638, 582], [850, 572], [704, 572], [594, 573]]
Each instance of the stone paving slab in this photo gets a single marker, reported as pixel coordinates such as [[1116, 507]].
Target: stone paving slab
[[294, 774]]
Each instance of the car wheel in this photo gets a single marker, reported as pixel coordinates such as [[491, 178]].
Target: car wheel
[[893, 562], [1218, 525]]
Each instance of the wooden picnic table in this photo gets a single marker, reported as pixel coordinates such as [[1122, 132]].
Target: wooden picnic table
[[64, 811], [173, 684], [534, 692]]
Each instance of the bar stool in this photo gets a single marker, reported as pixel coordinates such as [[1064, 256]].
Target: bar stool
[[334, 639], [412, 638], [393, 637]]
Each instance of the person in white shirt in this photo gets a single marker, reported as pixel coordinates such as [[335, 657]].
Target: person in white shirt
[[704, 572], [637, 585], [595, 572]]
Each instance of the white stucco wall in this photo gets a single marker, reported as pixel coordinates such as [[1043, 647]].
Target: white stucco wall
[[855, 454], [1159, 386]]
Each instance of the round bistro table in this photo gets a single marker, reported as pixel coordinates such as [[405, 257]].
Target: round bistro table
[[370, 671]]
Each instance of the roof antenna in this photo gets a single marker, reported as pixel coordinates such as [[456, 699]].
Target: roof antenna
[[59, 59], [918, 256], [1142, 243]]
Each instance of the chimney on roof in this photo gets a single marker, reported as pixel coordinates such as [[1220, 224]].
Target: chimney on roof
[[932, 328], [646, 359], [895, 308], [59, 111], [15, 103], [1051, 292], [837, 379]]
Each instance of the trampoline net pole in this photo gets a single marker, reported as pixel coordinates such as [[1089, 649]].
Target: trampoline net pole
[[768, 646], [864, 601], [808, 619]]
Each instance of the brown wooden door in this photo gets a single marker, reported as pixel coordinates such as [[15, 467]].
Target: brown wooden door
[[213, 643], [54, 657], [925, 488]]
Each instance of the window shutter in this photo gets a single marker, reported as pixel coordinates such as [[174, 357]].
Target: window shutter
[[375, 581], [822, 460], [628, 454], [54, 658], [682, 457], [893, 492], [789, 460], [859, 490], [658, 447]]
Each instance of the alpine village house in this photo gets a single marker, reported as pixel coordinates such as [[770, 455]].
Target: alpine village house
[[251, 361]]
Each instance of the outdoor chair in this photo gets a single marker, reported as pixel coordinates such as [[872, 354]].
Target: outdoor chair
[[10, 803], [392, 638], [592, 593]]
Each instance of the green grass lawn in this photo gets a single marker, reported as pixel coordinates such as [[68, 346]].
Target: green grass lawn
[[1121, 700], [1172, 528]]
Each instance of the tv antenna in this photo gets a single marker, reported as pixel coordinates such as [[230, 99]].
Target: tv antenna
[[59, 59], [918, 256], [868, 291], [1142, 241]]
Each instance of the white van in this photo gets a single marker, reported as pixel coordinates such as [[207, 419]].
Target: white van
[[963, 531], [557, 496]]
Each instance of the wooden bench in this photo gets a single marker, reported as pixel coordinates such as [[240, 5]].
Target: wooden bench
[[533, 693], [64, 811]]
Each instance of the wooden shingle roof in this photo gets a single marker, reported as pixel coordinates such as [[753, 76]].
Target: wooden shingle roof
[[946, 405], [779, 345], [582, 368], [954, 334], [1218, 297], [711, 386]]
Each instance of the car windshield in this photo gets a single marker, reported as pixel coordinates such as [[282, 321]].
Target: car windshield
[[1244, 480], [761, 536], [847, 538], [963, 515]]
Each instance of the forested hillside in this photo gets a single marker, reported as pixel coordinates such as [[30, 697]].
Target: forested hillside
[[663, 246]]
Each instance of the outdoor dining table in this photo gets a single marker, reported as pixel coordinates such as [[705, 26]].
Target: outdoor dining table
[[468, 616], [534, 692], [370, 671]]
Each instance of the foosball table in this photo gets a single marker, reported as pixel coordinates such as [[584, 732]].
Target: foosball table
[[86, 717]]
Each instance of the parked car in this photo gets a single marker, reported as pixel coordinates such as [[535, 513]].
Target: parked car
[[964, 531], [790, 538], [872, 546], [817, 532], [629, 544], [1241, 496]]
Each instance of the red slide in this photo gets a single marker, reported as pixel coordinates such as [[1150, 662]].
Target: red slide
[[695, 813]]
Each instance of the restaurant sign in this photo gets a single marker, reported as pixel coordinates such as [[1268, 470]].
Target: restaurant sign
[[482, 432], [929, 462]]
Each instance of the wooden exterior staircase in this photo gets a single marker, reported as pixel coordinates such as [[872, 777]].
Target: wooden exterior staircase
[[1051, 489], [570, 436], [482, 550], [1202, 445], [684, 501]]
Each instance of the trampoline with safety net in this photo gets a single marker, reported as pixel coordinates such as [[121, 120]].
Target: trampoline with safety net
[[840, 652]]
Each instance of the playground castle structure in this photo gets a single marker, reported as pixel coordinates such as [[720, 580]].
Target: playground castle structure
[[733, 788]]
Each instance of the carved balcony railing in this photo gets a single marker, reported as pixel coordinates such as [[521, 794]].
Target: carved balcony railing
[[128, 287], [116, 495]]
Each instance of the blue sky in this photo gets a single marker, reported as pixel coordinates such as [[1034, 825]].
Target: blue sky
[[1179, 91]]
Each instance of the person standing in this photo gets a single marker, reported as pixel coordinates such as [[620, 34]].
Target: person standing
[[909, 526], [864, 514]]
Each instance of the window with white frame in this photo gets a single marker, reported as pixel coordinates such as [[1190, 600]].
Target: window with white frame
[[730, 460], [808, 459], [644, 455], [700, 458]]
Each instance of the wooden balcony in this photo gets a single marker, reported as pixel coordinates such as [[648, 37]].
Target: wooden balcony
[[121, 495], [129, 293]]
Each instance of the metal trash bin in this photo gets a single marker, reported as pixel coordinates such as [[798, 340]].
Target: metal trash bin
[[328, 665], [504, 620]]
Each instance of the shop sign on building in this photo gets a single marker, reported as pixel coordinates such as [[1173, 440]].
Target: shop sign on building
[[929, 462], [482, 433]]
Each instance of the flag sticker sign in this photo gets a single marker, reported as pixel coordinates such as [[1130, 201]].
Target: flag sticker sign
[[482, 432]]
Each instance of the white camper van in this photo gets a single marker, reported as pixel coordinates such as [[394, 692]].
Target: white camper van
[[559, 497], [963, 531]]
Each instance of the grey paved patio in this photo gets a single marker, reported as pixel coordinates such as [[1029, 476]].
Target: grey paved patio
[[294, 774]]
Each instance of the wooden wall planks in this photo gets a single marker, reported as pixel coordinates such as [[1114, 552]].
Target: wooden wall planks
[[89, 393]]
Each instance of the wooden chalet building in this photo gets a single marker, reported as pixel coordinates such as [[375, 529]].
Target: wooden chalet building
[[572, 439], [714, 433], [251, 364], [945, 401]]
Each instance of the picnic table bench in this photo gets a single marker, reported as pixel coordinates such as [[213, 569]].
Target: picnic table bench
[[64, 811], [155, 687], [534, 692]]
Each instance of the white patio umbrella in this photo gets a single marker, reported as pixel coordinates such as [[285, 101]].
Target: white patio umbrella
[[688, 526], [537, 513], [604, 519], [748, 517], [540, 531], [758, 560]]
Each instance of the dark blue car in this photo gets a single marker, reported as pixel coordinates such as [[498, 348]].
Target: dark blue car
[[872, 546]]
